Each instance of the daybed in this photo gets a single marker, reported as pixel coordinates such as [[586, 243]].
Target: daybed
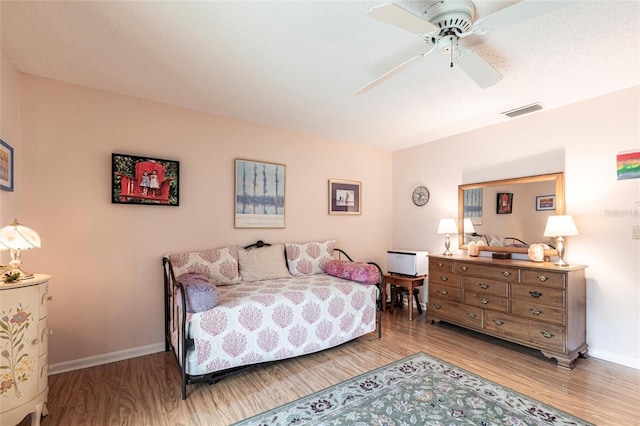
[[233, 307]]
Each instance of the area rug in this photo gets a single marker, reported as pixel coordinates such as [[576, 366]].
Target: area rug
[[417, 390]]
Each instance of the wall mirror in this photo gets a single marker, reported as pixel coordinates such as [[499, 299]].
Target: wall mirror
[[510, 214]]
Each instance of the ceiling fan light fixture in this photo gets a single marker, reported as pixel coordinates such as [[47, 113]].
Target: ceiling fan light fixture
[[527, 109]]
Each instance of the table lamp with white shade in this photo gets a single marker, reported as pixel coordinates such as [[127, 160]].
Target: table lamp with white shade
[[560, 227], [447, 226], [16, 237]]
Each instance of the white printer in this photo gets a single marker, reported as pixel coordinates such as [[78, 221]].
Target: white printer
[[407, 262]]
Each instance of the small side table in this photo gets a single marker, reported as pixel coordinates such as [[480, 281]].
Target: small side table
[[409, 283]]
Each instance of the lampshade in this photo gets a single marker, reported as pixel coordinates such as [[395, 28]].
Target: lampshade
[[447, 226], [560, 226], [17, 237], [468, 226]]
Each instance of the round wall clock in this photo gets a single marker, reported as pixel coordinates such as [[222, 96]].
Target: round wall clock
[[420, 196]]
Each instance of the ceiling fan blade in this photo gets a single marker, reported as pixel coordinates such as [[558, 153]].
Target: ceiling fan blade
[[478, 69], [391, 73], [401, 18], [522, 11]]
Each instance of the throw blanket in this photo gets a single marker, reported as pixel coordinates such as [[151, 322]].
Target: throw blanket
[[276, 319]]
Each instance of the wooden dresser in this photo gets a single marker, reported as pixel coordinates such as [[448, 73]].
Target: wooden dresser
[[539, 305]]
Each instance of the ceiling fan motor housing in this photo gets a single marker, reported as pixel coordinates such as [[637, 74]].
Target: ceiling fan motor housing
[[451, 16]]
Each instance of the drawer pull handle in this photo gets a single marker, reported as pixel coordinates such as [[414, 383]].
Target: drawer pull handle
[[464, 268], [483, 286], [498, 322], [471, 315], [535, 311], [506, 273], [444, 292], [542, 278], [547, 335], [535, 294], [437, 306], [443, 278], [35, 342], [440, 264], [484, 301]]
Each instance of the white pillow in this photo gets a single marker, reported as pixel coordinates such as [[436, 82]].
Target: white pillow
[[309, 258], [263, 263]]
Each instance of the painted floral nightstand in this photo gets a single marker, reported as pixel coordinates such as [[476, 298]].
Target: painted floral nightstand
[[23, 350]]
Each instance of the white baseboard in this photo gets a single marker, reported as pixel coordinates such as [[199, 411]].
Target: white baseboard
[[93, 361], [611, 357]]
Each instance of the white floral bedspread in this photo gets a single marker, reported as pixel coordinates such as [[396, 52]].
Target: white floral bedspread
[[276, 319]]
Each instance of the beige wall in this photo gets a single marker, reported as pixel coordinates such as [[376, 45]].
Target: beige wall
[[106, 258], [581, 139]]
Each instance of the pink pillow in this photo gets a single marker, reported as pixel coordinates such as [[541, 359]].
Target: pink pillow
[[355, 271], [220, 265]]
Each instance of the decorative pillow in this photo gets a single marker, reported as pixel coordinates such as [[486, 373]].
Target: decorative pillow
[[220, 265], [263, 263], [354, 271], [200, 292], [309, 258], [495, 240]]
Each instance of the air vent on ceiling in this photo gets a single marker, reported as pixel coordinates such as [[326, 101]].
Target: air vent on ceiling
[[523, 110]]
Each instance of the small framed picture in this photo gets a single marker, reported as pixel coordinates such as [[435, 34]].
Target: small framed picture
[[144, 180], [6, 166], [505, 203], [345, 197], [546, 202]]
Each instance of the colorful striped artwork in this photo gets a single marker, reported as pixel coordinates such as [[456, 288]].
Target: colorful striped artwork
[[629, 165]]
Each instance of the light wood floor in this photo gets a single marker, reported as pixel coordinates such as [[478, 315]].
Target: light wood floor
[[146, 390]]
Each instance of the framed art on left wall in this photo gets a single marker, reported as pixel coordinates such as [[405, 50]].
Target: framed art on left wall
[[6, 166], [144, 180]]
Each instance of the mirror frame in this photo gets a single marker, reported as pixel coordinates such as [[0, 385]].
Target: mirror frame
[[559, 181]]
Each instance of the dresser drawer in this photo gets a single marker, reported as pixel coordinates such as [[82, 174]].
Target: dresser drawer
[[445, 292], [456, 312], [440, 265], [546, 278], [538, 312], [539, 295], [497, 272], [487, 301], [481, 285], [531, 333], [445, 278]]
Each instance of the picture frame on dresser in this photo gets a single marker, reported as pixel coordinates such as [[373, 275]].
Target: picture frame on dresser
[[6, 166], [345, 197]]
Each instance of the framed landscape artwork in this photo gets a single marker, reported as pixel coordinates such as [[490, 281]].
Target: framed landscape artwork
[[6, 166], [144, 180], [345, 197], [259, 194]]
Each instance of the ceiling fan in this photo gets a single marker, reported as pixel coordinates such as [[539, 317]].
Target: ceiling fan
[[447, 23]]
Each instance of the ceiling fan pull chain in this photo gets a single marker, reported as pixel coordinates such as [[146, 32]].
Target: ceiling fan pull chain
[[451, 66]]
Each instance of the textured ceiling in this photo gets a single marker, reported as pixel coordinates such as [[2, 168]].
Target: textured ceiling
[[297, 64]]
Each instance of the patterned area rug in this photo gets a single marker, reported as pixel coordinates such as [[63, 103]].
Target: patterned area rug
[[417, 390]]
